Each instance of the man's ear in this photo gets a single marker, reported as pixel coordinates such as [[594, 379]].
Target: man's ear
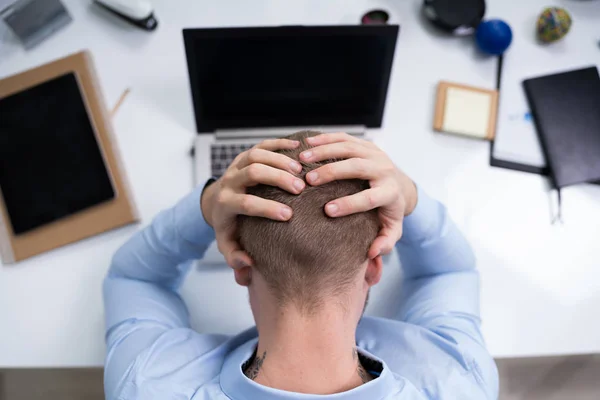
[[243, 276], [374, 271]]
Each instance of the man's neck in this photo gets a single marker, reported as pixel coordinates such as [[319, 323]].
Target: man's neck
[[315, 354]]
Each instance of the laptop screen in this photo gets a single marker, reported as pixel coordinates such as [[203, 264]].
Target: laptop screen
[[289, 76]]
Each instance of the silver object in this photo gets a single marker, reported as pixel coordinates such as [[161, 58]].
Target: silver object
[[32, 21]]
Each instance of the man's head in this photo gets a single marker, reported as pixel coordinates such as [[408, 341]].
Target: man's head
[[312, 257]]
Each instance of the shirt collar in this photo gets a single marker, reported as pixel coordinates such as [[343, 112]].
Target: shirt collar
[[237, 386]]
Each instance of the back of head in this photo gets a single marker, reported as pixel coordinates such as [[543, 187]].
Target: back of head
[[312, 257]]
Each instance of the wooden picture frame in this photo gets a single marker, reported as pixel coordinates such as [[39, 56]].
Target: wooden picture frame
[[113, 213], [441, 107]]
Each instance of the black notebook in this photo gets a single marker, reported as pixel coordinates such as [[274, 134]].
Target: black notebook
[[566, 111]]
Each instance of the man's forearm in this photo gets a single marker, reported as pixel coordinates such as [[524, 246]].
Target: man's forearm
[[175, 236], [431, 243], [440, 293], [141, 302]]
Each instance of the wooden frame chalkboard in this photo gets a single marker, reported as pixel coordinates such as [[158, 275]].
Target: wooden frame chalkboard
[[118, 211]]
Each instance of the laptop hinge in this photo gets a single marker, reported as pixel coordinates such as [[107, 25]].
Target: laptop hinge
[[354, 130]]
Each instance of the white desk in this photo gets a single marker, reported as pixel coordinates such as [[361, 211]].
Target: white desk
[[541, 283]]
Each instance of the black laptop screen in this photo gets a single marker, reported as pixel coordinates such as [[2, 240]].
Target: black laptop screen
[[289, 76]]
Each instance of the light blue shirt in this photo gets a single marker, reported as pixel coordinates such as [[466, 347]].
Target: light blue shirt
[[433, 349]]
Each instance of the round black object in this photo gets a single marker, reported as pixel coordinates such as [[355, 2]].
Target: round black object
[[375, 17], [459, 17]]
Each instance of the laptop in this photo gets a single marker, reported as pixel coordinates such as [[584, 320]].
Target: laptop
[[251, 84]]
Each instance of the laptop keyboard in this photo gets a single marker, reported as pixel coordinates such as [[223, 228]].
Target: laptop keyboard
[[222, 155]]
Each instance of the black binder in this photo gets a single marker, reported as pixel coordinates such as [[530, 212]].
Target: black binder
[[566, 112]]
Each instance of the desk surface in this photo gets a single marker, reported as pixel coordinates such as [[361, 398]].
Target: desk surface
[[540, 283]]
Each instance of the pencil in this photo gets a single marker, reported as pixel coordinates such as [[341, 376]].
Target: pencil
[[119, 102]]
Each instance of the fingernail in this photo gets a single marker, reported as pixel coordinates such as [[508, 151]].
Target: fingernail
[[298, 184], [296, 143], [285, 213], [307, 155], [240, 264], [295, 166], [331, 209], [310, 140], [312, 176]]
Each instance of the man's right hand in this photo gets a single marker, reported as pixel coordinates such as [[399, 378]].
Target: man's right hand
[[392, 192], [225, 199]]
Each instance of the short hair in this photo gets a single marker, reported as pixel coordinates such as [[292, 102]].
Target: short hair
[[312, 257]]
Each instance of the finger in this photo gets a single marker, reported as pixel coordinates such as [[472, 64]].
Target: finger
[[256, 174], [241, 259], [359, 202], [231, 250], [261, 156], [376, 246], [380, 246], [277, 144], [328, 138], [247, 204], [270, 145], [385, 241], [340, 150], [353, 168]]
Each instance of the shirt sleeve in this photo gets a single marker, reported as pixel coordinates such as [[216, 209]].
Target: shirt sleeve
[[140, 291], [441, 287]]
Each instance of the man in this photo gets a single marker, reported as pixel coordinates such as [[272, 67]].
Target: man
[[305, 235]]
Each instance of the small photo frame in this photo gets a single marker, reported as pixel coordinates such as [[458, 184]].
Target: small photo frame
[[466, 110], [61, 176]]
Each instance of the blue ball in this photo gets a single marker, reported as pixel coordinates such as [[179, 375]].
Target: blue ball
[[493, 36]]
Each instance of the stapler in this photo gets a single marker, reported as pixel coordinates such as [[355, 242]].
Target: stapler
[[137, 12]]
